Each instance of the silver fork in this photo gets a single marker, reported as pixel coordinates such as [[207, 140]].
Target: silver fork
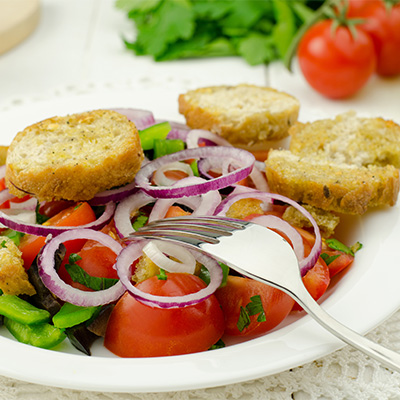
[[261, 254]]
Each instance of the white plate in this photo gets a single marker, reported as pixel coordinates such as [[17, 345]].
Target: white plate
[[366, 295]]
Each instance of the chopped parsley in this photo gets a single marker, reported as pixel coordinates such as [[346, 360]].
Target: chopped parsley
[[335, 244], [79, 275], [219, 345], [162, 276], [253, 308]]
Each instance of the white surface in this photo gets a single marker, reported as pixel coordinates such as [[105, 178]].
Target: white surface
[[292, 345], [77, 49]]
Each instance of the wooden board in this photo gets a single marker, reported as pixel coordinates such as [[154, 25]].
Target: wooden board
[[18, 19]]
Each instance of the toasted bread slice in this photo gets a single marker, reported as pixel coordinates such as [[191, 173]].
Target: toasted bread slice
[[245, 115], [350, 139], [343, 188], [74, 157], [327, 221]]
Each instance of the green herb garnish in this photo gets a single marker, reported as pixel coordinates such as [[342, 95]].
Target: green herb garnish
[[79, 275], [253, 308], [335, 244], [259, 31]]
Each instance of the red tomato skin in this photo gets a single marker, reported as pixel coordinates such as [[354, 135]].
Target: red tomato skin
[[339, 263], [237, 293], [97, 260], [383, 26], [336, 65], [73, 216], [138, 330], [316, 281]]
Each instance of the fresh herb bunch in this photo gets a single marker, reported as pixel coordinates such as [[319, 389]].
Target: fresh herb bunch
[[260, 31]]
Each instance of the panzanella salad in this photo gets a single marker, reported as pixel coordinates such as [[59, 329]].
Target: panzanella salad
[[70, 270]]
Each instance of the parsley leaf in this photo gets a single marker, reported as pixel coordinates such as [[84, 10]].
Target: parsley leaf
[[219, 345], [174, 29], [244, 319], [162, 276], [335, 244], [329, 259], [205, 274], [253, 308]]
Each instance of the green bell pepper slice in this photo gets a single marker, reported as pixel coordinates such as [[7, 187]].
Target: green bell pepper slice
[[71, 315], [21, 311], [42, 335]]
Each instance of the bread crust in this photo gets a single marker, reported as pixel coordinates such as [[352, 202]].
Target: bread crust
[[74, 157], [342, 188], [245, 115], [349, 138]]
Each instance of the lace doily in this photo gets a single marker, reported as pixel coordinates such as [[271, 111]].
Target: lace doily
[[346, 374]]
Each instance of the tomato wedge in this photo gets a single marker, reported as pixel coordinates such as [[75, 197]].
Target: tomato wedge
[[138, 330], [237, 294], [76, 215]]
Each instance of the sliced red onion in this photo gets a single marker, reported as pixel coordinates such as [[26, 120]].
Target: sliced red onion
[[193, 137], [307, 262], [161, 180], [114, 195], [25, 216], [259, 180], [242, 156], [157, 251], [134, 250], [141, 118], [274, 222], [5, 195], [14, 223], [122, 217], [2, 171], [29, 204], [65, 292], [204, 204], [178, 130], [161, 206]]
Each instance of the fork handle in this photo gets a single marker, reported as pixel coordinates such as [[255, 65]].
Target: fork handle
[[387, 357]]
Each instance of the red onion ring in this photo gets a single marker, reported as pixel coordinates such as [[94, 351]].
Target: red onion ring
[[306, 263], [122, 216], [134, 250], [44, 230], [144, 175], [29, 204], [195, 135], [205, 204], [114, 195], [65, 292], [5, 195], [192, 141], [141, 118]]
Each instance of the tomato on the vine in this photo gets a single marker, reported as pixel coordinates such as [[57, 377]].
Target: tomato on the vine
[[333, 61], [137, 330], [382, 24]]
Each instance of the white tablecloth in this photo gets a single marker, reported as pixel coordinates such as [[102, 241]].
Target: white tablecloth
[[77, 49]]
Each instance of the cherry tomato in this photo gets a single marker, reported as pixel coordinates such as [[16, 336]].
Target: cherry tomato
[[333, 62], [73, 216], [237, 293], [138, 330], [383, 25]]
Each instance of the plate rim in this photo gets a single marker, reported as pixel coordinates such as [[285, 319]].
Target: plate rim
[[195, 368]]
